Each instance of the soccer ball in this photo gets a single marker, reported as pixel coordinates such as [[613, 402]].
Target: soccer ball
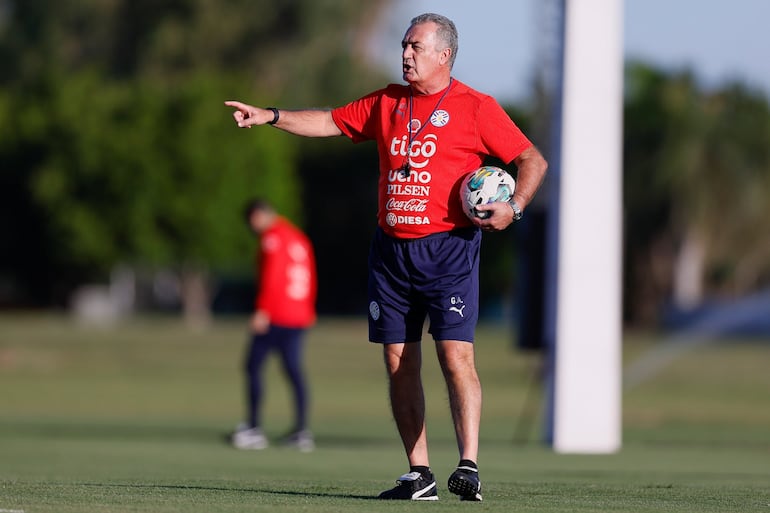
[[485, 185]]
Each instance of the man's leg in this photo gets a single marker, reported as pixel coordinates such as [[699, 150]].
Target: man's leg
[[291, 357], [260, 348], [457, 363], [464, 388], [407, 401], [300, 437], [250, 435], [403, 363]]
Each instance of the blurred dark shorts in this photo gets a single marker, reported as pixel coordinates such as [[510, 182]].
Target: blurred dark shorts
[[435, 277]]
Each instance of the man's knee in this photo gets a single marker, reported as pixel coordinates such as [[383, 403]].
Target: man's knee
[[456, 357], [402, 359]]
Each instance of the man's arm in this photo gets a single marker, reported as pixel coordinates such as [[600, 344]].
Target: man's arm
[[532, 167], [307, 123], [531, 172]]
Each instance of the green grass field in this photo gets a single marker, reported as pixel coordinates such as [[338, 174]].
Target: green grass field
[[133, 419]]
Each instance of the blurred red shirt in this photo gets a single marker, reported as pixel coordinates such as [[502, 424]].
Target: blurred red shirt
[[286, 278]]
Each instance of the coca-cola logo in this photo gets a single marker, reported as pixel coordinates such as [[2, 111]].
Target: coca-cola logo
[[410, 205]]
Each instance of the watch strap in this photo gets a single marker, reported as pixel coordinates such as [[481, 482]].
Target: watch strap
[[517, 213], [276, 116]]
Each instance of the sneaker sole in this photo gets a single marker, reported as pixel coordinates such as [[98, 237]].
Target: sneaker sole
[[250, 446], [464, 488]]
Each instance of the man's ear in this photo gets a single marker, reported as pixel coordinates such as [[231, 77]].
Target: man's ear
[[446, 53]]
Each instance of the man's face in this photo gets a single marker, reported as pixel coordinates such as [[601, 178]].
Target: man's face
[[420, 57], [259, 220]]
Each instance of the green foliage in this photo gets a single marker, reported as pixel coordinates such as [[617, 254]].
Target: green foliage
[[115, 145], [739, 155], [135, 172], [696, 170]]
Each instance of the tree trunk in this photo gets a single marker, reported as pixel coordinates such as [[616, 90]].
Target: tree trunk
[[196, 292], [689, 269]]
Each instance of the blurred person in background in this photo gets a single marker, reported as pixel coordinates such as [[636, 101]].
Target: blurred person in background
[[284, 309]]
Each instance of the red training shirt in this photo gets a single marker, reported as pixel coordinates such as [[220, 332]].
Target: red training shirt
[[450, 138], [287, 281]]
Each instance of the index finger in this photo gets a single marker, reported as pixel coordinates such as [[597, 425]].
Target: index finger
[[237, 105]]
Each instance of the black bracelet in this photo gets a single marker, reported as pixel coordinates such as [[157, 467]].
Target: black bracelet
[[276, 115]]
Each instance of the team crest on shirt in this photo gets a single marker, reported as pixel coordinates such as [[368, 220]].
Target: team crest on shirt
[[401, 109], [374, 310], [414, 126], [439, 118]]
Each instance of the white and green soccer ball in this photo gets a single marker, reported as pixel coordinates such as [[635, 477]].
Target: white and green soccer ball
[[487, 184]]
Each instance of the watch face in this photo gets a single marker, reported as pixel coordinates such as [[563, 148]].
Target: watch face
[[516, 210]]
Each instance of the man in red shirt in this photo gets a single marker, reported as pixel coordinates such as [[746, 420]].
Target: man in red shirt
[[283, 309], [430, 134]]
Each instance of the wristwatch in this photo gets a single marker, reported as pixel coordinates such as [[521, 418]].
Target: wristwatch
[[517, 214], [276, 115]]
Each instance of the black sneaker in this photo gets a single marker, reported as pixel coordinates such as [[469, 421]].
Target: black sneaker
[[465, 482], [412, 487]]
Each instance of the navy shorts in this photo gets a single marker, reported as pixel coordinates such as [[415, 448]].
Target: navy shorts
[[435, 276]]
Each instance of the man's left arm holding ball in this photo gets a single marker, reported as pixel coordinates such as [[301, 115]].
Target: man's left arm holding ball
[[531, 171]]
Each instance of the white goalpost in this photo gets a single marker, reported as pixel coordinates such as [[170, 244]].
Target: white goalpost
[[583, 299]]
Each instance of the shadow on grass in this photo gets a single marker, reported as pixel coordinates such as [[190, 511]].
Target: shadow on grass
[[237, 490]]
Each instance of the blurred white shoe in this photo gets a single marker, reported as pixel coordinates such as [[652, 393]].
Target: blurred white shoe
[[249, 438], [302, 440]]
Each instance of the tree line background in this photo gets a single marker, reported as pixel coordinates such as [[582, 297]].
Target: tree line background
[[116, 150]]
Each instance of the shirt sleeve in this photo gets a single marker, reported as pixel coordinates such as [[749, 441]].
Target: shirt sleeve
[[358, 119], [499, 135]]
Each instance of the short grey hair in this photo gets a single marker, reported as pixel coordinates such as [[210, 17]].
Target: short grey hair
[[447, 32]]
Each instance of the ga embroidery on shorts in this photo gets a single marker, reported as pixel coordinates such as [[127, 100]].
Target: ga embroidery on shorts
[[458, 305]]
